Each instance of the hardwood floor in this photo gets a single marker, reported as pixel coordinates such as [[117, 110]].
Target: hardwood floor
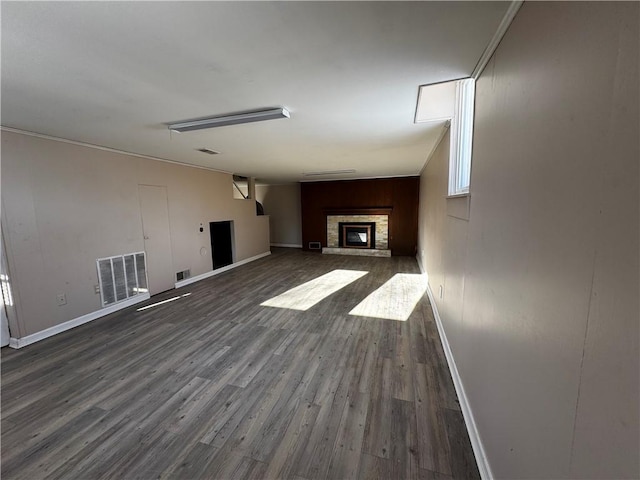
[[214, 385]]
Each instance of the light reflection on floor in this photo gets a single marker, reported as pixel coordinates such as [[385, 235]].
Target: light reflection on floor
[[305, 296], [173, 299], [395, 299]]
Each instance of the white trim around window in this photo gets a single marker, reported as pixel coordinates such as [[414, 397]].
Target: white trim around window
[[462, 138]]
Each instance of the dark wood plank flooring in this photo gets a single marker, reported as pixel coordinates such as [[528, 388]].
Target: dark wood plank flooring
[[213, 385]]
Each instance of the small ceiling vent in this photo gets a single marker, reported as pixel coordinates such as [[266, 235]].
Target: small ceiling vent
[[207, 151]]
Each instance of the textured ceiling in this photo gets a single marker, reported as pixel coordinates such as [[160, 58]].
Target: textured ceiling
[[114, 73]]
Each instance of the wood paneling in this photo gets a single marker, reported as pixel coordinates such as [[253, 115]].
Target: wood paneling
[[397, 196]]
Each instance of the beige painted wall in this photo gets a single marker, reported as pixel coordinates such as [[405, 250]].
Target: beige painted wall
[[282, 204], [541, 283], [66, 205]]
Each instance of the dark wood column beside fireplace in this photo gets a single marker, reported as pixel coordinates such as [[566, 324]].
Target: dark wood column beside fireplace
[[395, 197]]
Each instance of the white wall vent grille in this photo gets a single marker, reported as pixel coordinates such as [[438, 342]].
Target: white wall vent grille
[[122, 277]]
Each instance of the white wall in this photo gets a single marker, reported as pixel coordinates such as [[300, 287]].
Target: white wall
[[65, 205], [282, 204], [540, 270]]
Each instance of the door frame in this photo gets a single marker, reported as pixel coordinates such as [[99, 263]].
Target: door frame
[[232, 239], [145, 238], [5, 285]]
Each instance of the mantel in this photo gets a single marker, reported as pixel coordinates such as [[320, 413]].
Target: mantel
[[358, 211]]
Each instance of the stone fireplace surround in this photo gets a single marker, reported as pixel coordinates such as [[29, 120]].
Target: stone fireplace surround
[[381, 220], [382, 228]]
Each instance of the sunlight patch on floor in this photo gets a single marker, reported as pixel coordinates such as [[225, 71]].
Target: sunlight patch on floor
[[305, 296], [395, 300]]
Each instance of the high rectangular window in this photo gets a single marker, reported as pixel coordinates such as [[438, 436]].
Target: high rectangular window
[[462, 137], [452, 102]]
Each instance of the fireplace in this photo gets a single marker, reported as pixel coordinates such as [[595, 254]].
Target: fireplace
[[361, 232], [357, 234]]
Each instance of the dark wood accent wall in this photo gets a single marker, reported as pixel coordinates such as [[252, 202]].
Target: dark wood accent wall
[[397, 197]]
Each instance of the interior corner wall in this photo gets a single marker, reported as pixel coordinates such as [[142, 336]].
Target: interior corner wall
[[65, 205], [282, 204], [540, 280]]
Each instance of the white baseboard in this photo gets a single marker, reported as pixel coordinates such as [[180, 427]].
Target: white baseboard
[[49, 332], [474, 436], [286, 245], [41, 335], [217, 271]]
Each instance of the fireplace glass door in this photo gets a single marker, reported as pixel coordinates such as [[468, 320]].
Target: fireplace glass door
[[357, 235]]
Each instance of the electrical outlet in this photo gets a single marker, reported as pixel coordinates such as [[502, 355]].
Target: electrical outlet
[[441, 293], [62, 299], [96, 289]]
